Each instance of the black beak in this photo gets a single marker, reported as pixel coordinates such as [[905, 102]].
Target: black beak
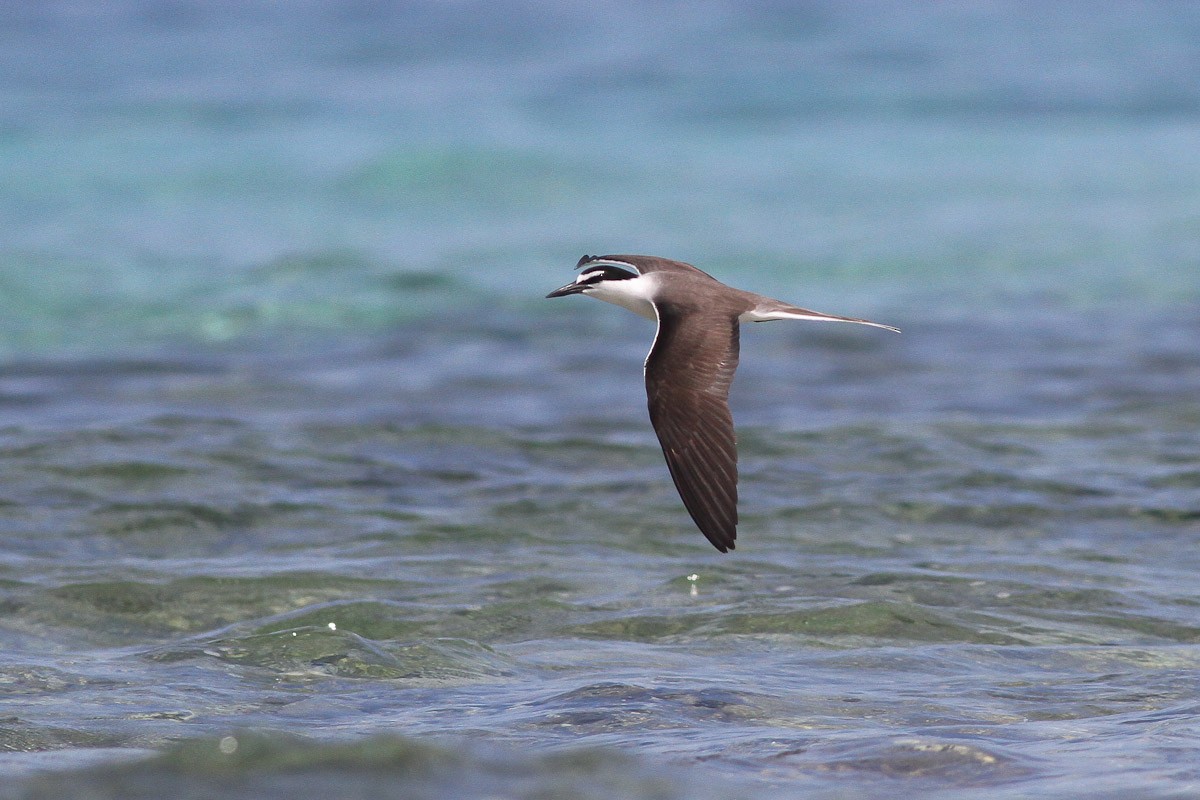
[[570, 288]]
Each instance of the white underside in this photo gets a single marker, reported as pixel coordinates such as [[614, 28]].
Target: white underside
[[754, 315], [757, 315]]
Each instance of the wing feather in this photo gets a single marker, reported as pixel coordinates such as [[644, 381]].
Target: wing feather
[[688, 374]]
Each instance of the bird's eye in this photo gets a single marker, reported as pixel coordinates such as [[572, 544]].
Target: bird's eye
[[596, 275]]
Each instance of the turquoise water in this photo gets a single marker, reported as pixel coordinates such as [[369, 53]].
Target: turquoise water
[[307, 490]]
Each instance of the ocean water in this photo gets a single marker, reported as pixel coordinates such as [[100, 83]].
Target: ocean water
[[307, 491]]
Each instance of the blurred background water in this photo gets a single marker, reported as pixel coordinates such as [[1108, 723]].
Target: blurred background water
[[307, 490]]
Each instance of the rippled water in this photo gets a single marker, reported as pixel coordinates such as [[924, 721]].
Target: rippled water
[[307, 492], [935, 584]]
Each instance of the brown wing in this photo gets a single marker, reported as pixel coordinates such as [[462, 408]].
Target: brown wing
[[688, 373]]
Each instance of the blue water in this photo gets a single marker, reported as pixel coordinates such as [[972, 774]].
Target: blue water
[[307, 489]]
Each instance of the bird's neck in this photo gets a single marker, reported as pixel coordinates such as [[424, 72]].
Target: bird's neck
[[635, 294]]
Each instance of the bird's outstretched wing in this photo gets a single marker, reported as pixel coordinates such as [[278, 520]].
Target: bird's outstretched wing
[[688, 373]]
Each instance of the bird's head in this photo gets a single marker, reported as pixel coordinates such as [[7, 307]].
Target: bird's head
[[613, 281], [592, 277]]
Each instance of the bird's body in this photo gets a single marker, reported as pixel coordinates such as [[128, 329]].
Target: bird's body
[[689, 369]]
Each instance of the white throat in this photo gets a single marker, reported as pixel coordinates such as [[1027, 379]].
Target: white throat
[[636, 294]]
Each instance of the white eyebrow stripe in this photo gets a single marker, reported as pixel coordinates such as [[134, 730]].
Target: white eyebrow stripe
[[605, 271], [610, 262]]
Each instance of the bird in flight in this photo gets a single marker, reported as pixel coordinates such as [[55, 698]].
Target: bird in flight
[[689, 369]]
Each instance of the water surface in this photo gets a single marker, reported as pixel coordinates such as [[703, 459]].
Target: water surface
[[306, 489]]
